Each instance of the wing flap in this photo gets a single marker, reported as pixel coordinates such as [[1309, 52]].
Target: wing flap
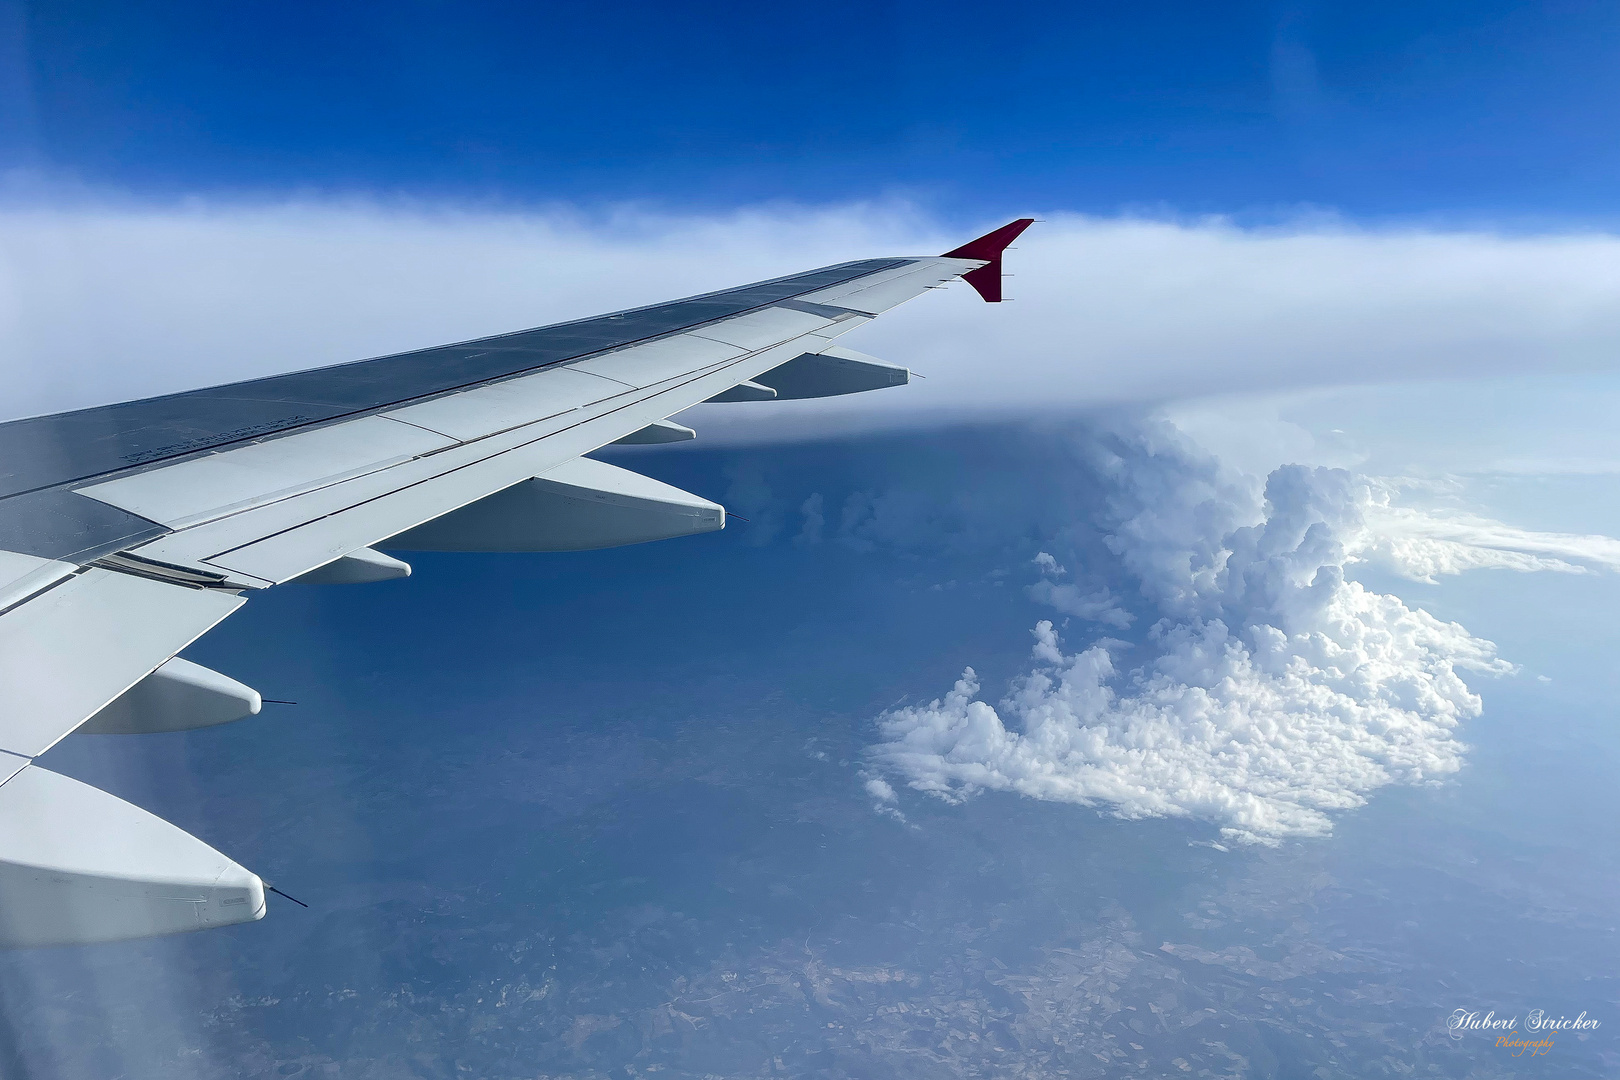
[[762, 329], [21, 576], [647, 365], [473, 414], [448, 473], [69, 651], [200, 489]]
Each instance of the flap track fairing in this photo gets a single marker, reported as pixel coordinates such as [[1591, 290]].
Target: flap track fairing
[[359, 567], [746, 391], [179, 696], [580, 505], [831, 373], [79, 866], [660, 431]]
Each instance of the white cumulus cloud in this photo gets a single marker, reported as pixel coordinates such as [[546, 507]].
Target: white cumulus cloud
[[880, 790], [1094, 605], [1277, 693]]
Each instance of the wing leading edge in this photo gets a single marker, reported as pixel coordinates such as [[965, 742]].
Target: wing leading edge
[[128, 531]]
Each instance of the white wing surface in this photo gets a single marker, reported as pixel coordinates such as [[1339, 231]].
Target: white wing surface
[[128, 531]]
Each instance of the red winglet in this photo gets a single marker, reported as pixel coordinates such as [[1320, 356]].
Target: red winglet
[[987, 279]]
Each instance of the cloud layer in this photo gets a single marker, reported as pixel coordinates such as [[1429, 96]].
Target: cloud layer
[[1276, 691], [1422, 542], [103, 301]]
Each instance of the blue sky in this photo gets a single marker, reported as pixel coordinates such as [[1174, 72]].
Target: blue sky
[[1466, 110]]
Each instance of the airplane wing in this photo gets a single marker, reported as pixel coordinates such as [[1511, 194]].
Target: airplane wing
[[130, 530]]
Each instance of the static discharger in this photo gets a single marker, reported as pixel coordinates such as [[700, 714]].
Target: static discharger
[[271, 888]]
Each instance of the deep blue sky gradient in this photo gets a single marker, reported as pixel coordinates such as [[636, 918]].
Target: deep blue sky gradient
[[1476, 110]]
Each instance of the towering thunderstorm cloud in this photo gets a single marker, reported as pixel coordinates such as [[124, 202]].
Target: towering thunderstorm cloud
[[1275, 691]]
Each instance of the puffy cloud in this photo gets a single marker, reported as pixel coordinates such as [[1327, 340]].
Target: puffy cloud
[[1098, 605], [1048, 564], [880, 790], [814, 520], [106, 300], [1277, 693], [1094, 605]]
